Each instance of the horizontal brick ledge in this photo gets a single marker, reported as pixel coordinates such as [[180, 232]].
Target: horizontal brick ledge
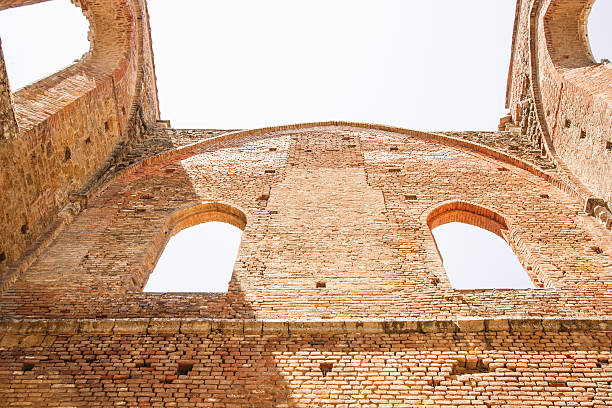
[[160, 326]]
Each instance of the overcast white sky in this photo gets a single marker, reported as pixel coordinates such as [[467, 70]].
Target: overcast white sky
[[215, 245], [429, 65], [438, 64]]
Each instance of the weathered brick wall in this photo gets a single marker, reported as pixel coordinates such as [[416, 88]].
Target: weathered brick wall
[[558, 94], [338, 296], [361, 195], [222, 365], [8, 125], [71, 122]]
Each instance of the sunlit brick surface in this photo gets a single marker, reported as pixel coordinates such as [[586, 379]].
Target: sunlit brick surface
[[324, 204], [72, 121], [336, 370]]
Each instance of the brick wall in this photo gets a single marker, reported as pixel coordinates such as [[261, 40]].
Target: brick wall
[[7, 116], [343, 205], [559, 95], [71, 122], [209, 364], [338, 296]]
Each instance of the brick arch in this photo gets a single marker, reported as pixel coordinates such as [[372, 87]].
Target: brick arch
[[201, 213], [492, 221], [566, 111], [565, 25], [179, 220], [115, 36], [467, 213]]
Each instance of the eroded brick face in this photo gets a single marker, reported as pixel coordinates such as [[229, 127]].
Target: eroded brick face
[[336, 237]]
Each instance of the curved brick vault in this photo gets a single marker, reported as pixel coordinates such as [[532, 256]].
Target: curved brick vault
[[69, 127], [558, 95]]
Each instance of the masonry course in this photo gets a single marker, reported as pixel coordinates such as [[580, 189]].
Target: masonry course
[[338, 296]]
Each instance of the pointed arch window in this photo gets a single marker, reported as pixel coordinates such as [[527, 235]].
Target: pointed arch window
[[475, 253], [201, 253]]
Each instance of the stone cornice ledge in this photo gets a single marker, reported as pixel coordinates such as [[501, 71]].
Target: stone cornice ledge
[[201, 326]]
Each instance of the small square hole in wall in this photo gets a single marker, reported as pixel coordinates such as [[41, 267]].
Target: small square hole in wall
[[410, 197], [326, 368], [321, 284], [544, 195], [583, 134], [502, 169], [184, 368], [568, 123], [603, 362], [2, 257], [27, 367], [394, 148], [143, 364], [106, 126], [270, 171], [609, 146], [469, 365], [273, 149]]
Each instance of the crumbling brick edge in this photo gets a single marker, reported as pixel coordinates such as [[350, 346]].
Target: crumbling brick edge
[[242, 327]]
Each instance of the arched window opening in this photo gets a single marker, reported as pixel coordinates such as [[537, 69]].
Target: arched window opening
[[197, 259], [474, 253], [600, 30], [41, 39], [202, 250]]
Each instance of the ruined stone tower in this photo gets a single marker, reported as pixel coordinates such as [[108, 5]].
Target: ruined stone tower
[[338, 296]]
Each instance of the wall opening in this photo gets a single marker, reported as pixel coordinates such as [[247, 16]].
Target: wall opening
[[474, 252], [36, 46], [197, 259], [201, 247], [600, 30]]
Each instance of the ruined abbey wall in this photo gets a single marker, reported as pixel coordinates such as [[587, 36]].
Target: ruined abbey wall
[[363, 195], [338, 296], [558, 95], [69, 126]]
